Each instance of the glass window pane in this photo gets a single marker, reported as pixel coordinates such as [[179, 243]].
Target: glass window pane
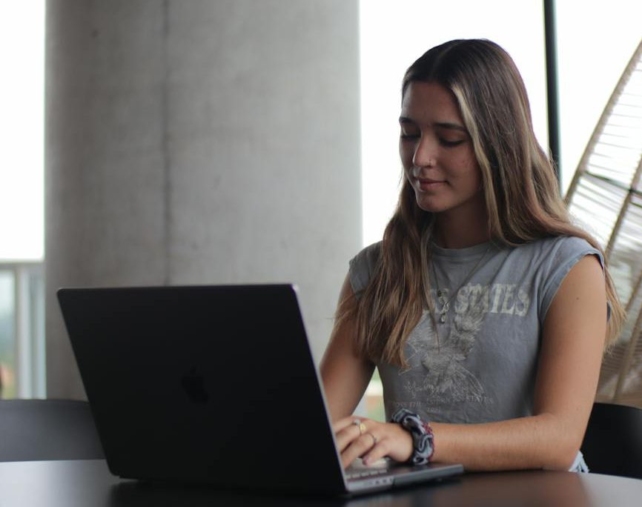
[[22, 129]]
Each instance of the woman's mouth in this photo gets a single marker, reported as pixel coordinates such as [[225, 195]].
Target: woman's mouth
[[428, 184]]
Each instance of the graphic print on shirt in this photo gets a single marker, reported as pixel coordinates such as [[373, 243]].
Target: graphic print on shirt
[[437, 371]]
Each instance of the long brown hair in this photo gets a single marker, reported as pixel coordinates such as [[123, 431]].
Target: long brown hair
[[521, 191]]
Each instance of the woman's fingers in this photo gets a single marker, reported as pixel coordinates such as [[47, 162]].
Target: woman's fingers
[[375, 440], [371, 440], [356, 437], [360, 447], [396, 443], [346, 422], [348, 430]]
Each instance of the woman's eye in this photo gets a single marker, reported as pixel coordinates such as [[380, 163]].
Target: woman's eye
[[405, 134], [450, 143]]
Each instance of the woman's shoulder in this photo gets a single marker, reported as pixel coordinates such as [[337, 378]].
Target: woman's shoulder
[[562, 247], [369, 254], [558, 253], [363, 265]]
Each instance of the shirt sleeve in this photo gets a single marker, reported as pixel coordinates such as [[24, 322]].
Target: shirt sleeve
[[563, 255], [362, 266]]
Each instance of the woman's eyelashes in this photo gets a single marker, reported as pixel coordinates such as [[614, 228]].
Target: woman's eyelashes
[[446, 142], [449, 143], [407, 133]]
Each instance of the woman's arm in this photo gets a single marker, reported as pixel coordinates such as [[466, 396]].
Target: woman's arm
[[345, 378], [568, 370], [345, 375]]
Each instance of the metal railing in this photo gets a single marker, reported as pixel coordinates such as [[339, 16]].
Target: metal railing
[[22, 335]]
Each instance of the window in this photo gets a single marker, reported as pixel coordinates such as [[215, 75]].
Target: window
[[21, 199]]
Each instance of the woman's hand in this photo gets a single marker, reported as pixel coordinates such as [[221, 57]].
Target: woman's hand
[[370, 440]]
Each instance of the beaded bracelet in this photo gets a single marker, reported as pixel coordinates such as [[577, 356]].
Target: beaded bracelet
[[422, 436]]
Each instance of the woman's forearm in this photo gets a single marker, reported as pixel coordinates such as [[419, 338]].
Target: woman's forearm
[[541, 441]]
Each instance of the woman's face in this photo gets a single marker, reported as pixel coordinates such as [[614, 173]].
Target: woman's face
[[437, 152]]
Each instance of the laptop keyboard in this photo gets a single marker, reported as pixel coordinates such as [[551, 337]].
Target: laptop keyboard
[[362, 473]]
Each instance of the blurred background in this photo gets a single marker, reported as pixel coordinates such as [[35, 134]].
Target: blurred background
[[171, 142]]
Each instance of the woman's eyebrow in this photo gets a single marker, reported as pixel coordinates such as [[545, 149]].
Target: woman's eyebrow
[[443, 124], [448, 125]]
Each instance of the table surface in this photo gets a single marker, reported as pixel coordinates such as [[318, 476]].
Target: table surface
[[89, 484]]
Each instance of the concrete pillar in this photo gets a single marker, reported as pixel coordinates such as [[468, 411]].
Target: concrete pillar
[[200, 141]]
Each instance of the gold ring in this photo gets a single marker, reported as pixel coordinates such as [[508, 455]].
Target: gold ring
[[359, 423]]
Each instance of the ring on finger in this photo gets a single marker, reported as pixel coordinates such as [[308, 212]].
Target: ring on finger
[[375, 440], [359, 424]]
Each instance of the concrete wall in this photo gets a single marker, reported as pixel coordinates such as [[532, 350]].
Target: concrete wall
[[200, 141]]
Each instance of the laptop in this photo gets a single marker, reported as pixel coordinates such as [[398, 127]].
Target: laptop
[[216, 385]]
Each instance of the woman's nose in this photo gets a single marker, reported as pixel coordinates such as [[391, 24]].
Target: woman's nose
[[425, 153]]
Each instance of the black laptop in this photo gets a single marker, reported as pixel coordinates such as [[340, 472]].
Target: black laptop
[[213, 384]]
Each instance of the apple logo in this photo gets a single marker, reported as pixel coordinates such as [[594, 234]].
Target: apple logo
[[192, 384]]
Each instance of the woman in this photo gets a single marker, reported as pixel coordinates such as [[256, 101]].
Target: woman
[[485, 310]]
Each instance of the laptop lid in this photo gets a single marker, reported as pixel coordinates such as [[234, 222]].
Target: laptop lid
[[213, 384]]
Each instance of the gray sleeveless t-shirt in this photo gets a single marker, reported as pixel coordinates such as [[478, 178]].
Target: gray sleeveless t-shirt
[[482, 367]]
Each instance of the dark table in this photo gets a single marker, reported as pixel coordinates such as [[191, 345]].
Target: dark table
[[89, 484]]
